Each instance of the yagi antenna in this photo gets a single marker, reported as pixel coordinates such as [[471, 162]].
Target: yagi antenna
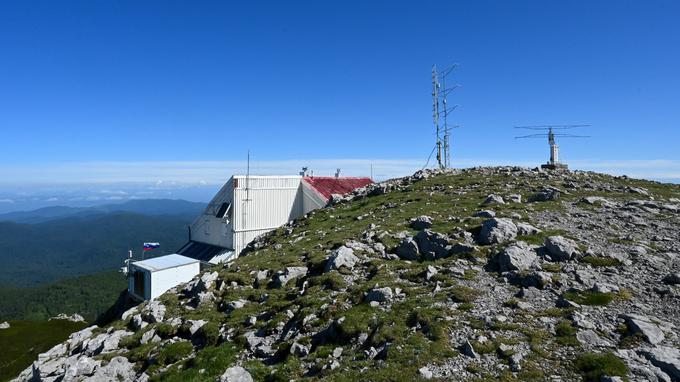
[[554, 162]]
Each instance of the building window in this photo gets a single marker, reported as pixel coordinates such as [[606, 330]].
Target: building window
[[223, 211]]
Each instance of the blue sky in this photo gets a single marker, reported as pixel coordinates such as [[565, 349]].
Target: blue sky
[[118, 92]]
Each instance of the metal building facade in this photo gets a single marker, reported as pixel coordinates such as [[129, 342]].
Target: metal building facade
[[263, 203], [249, 206]]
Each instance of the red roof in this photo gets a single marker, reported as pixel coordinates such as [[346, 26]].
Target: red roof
[[329, 185]]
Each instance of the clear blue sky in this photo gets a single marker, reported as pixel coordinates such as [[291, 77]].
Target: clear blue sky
[[134, 81]]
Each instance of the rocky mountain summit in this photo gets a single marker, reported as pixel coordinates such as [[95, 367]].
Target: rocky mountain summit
[[468, 275]]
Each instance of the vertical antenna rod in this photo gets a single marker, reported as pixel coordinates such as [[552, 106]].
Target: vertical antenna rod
[[435, 113]]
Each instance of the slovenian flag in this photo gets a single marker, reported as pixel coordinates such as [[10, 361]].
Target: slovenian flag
[[150, 246]]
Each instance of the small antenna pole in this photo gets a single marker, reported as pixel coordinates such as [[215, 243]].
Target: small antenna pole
[[248, 177], [435, 113]]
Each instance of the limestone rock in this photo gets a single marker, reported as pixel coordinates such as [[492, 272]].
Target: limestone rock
[[561, 249], [236, 374], [299, 350], [516, 257], [493, 199], [425, 372], [645, 326], [468, 350], [75, 317], [497, 230], [153, 312], [149, 337], [524, 229], [341, 257], [283, 277], [82, 368], [485, 214], [380, 295], [545, 195], [195, 325], [408, 249], [432, 245], [665, 358], [118, 369], [421, 222], [430, 272]]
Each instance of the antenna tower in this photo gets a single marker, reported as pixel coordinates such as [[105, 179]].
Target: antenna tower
[[548, 131], [440, 119]]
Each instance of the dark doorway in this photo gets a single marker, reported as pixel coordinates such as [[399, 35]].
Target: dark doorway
[[139, 284]]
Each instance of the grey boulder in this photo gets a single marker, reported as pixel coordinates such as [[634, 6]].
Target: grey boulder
[[497, 230], [665, 358], [408, 249], [516, 257], [421, 222], [341, 257], [645, 326], [290, 273], [561, 249], [236, 374]]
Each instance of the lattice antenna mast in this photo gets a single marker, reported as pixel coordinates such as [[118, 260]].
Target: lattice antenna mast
[[440, 113]]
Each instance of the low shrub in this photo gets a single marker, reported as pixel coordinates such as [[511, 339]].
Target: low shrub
[[174, 352], [593, 366]]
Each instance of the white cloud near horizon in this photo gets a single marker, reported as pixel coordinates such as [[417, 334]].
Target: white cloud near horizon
[[177, 174]]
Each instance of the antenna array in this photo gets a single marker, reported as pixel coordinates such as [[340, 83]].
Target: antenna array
[[440, 113], [548, 131]]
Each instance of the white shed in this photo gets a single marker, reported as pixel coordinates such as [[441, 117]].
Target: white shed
[[148, 279]]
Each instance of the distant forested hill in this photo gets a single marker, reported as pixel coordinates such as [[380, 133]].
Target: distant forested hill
[[90, 296], [154, 207], [35, 254]]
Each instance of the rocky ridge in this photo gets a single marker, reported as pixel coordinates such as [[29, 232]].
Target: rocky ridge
[[478, 274]]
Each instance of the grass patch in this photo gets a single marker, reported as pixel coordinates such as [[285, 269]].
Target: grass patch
[[565, 334], [466, 306], [461, 293], [174, 352], [24, 340], [600, 261], [552, 267], [206, 366], [589, 297], [593, 366]]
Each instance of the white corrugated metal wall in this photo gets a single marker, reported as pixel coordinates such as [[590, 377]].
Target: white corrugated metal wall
[[263, 203]]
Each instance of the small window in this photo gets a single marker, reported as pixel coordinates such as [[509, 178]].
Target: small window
[[223, 210], [235, 182]]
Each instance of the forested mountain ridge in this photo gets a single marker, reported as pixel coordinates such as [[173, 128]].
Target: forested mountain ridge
[[35, 254], [142, 206]]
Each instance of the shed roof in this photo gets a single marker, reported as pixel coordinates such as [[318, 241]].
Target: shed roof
[[329, 185], [201, 251], [164, 262]]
